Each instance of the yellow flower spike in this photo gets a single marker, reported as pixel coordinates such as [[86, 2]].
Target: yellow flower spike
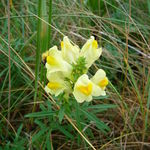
[[100, 80], [87, 90], [59, 70], [91, 51]]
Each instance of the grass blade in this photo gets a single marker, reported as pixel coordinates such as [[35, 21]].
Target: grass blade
[[37, 52], [136, 87], [40, 114], [9, 62]]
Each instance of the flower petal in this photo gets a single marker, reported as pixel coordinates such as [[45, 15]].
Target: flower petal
[[99, 75], [70, 53], [53, 92], [79, 96], [91, 51], [89, 98], [96, 90]]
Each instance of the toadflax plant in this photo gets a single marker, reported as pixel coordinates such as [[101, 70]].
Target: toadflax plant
[[68, 81], [67, 70]]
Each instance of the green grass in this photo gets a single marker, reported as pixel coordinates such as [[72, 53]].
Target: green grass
[[121, 120]]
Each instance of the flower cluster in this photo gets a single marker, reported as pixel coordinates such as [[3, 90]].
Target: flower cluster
[[67, 70]]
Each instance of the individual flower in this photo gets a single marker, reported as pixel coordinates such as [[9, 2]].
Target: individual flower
[[70, 53], [91, 51], [84, 89], [55, 62], [100, 80], [56, 84]]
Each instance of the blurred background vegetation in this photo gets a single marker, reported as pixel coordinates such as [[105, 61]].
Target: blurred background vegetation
[[118, 121]]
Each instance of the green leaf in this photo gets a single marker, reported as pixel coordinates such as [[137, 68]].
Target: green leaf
[[148, 4], [102, 106], [135, 85], [99, 124], [79, 68], [39, 134], [40, 124], [65, 132], [40, 114], [48, 141], [19, 131], [100, 97], [42, 107], [61, 114]]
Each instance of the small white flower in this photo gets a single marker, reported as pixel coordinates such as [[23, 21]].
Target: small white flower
[[91, 51], [100, 80], [70, 53], [55, 62], [84, 89]]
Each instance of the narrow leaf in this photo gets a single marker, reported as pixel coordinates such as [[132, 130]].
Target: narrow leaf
[[40, 114]]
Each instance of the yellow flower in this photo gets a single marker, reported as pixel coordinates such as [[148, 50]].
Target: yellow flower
[[91, 51], [56, 84], [66, 68], [84, 89], [55, 62], [100, 80], [70, 53]]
